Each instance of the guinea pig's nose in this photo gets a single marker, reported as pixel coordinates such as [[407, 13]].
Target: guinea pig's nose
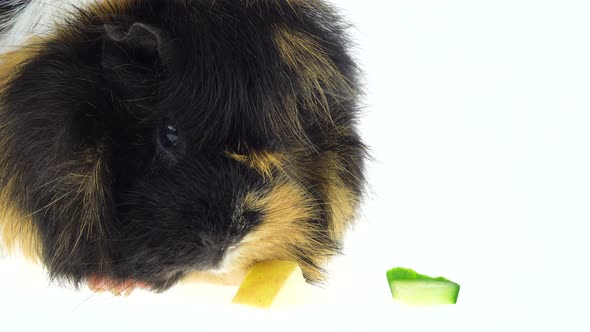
[[213, 251], [207, 240]]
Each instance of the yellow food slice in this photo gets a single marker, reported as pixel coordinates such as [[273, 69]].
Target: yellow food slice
[[271, 283]]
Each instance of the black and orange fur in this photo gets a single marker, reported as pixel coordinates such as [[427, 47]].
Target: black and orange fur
[[263, 96]]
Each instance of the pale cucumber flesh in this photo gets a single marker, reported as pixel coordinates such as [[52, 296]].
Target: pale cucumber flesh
[[417, 289], [425, 292]]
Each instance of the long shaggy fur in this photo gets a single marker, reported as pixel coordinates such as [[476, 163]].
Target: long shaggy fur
[[152, 140]]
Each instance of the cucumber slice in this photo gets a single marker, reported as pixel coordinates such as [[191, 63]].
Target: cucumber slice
[[271, 284], [413, 288]]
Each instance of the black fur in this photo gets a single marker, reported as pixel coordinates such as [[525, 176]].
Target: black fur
[[107, 88]]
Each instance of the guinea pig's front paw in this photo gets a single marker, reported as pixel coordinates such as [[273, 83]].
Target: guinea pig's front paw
[[117, 287]]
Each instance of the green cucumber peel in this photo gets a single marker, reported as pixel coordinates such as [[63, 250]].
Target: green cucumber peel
[[417, 289]]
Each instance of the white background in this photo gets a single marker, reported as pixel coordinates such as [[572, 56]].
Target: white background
[[477, 113]]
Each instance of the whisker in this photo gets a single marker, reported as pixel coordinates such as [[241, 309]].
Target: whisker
[[49, 205], [85, 301], [89, 297]]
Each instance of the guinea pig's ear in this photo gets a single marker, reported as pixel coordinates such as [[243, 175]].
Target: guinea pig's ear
[[141, 44]]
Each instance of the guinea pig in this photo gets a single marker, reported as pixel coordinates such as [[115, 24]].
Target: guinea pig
[[145, 141]]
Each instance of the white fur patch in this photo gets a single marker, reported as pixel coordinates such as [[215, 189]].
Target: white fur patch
[[38, 18]]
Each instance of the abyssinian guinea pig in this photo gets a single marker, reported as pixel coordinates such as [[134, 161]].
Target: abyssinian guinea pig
[[145, 141]]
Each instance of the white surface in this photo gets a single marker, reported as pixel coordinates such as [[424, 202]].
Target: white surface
[[478, 116]]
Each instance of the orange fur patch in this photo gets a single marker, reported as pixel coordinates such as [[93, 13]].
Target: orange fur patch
[[342, 202], [17, 232], [287, 224], [111, 6], [317, 72], [11, 62], [263, 161]]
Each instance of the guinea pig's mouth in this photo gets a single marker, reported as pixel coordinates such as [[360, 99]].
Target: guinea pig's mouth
[[118, 286], [164, 279], [225, 263]]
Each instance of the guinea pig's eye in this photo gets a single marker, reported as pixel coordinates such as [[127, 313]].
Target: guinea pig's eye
[[168, 136]]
